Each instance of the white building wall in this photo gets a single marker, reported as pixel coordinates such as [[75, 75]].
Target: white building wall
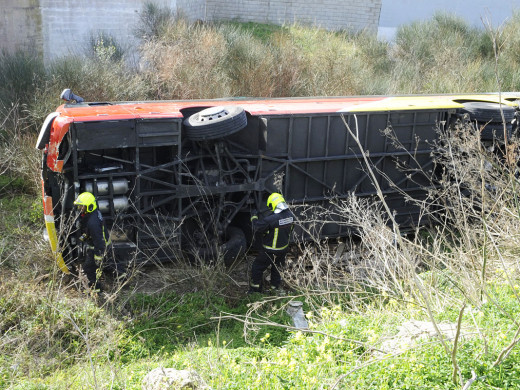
[[331, 14], [192, 9], [20, 25], [67, 25]]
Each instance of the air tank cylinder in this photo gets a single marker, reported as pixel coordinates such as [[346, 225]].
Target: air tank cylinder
[[120, 203], [103, 186]]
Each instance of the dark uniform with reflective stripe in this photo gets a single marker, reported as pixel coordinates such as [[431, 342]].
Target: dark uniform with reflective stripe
[[276, 230], [96, 239]]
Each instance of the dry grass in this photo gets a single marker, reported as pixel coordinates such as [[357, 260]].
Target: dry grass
[[185, 62], [473, 239], [18, 157]]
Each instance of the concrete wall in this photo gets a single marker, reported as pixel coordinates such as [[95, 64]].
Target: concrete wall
[[68, 25], [60, 27], [20, 25], [331, 14], [193, 9]]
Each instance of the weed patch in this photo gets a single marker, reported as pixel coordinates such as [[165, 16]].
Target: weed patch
[[170, 321]]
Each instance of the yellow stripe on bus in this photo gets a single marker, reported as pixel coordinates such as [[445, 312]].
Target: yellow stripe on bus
[[401, 103], [53, 239]]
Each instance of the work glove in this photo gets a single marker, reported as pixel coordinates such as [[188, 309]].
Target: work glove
[[83, 237]]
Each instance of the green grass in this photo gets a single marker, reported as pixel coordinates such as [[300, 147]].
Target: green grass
[[19, 206], [10, 185], [342, 350], [20, 221], [261, 31], [180, 319]]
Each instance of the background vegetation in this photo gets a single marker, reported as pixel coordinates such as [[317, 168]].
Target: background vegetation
[[465, 272]]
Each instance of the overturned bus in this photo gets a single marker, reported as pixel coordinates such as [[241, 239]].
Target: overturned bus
[[181, 177]]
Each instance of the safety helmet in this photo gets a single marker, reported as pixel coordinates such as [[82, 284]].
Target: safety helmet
[[86, 199], [274, 199]]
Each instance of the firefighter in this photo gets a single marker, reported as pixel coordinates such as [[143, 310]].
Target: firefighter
[[94, 237], [276, 230]]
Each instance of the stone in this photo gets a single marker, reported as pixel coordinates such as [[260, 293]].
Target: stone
[[414, 332]]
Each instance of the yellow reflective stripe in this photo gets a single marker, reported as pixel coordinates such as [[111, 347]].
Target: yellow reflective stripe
[[275, 240], [107, 242], [53, 240], [275, 249]]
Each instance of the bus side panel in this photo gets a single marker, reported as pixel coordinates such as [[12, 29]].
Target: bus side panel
[[320, 158]]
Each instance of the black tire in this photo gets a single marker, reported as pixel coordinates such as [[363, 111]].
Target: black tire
[[495, 131], [215, 122], [235, 247], [231, 250], [488, 112]]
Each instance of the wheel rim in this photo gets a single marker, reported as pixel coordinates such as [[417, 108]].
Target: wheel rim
[[212, 113]]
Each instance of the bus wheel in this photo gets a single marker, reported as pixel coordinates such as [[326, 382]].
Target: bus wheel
[[235, 246], [230, 249], [488, 118], [489, 112], [215, 122]]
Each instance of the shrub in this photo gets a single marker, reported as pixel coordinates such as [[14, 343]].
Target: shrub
[[440, 55], [247, 63], [508, 46], [20, 73], [185, 63], [153, 21], [18, 157], [104, 47]]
